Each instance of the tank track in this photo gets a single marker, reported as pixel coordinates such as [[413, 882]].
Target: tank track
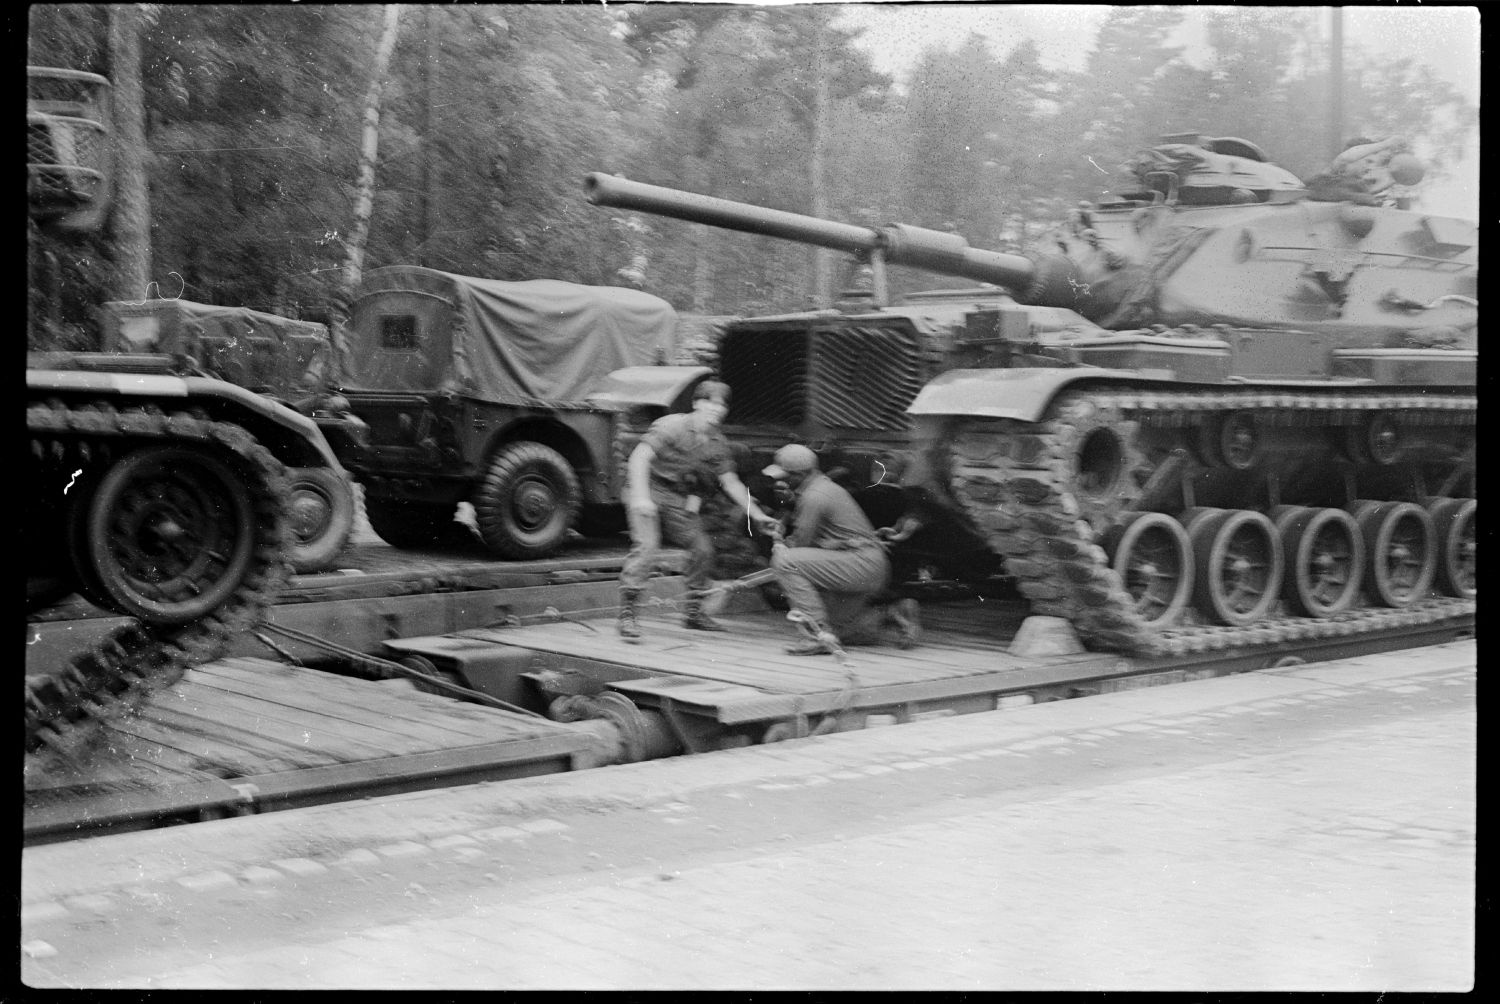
[[1016, 481], [64, 711]]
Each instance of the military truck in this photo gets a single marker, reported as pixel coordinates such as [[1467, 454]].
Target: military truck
[[521, 398], [279, 358]]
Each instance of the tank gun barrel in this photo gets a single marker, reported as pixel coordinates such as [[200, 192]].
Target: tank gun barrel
[[898, 243]]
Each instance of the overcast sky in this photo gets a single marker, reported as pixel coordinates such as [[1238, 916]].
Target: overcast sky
[[1445, 38]]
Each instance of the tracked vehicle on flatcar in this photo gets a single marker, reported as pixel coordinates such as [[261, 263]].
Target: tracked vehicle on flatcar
[[156, 495], [1227, 407]]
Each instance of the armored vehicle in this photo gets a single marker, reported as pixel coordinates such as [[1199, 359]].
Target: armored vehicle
[[283, 359], [522, 398], [1223, 408], [157, 496]]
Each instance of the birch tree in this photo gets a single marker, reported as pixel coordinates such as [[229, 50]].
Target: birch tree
[[132, 214], [364, 195]]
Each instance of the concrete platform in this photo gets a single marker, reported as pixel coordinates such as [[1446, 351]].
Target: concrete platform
[[1307, 828]]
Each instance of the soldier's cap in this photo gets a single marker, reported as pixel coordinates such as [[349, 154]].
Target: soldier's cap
[[794, 457]]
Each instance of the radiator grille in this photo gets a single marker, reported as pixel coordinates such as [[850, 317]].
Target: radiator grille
[[866, 377], [844, 377], [767, 371]]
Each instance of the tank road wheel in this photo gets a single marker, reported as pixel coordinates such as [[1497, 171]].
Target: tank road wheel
[[1233, 441], [409, 524], [1376, 440], [1238, 566], [321, 517], [1191, 519], [1151, 554], [171, 533], [1455, 523], [1401, 549], [1324, 554], [527, 501]]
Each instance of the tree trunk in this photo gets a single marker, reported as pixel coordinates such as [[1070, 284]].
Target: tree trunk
[[131, 222], [429, 173], [364, 196], [822, 263]]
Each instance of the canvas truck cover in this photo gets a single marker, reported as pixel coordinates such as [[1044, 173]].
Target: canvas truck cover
[[540, 340], [266, 353]]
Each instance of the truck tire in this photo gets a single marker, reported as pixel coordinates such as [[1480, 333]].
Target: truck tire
[[409, 524], [322, 518], [527, 500]]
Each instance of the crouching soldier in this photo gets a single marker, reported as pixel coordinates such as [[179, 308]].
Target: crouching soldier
[[833, 563]]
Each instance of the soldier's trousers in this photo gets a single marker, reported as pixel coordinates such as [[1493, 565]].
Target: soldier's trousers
[[834, 587], [675, 523]]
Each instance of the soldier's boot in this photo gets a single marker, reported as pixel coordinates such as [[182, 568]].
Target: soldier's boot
[[628, 627], [696, 618], [818, 638], [906, 615]]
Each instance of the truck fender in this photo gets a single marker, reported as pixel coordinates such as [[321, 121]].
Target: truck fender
[[637, 386], [1022, 393]]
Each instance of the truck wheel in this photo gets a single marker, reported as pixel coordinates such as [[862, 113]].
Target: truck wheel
[[409, 524], [322, 518], [527, 501]]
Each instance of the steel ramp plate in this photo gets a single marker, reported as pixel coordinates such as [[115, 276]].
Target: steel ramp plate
[[730, 702]]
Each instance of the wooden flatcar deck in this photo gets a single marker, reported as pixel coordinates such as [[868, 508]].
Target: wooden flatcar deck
[[246, 735], [744, 674]]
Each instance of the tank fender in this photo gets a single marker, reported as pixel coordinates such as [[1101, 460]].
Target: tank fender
[[1022, 393], [226, 400], [635, 386]]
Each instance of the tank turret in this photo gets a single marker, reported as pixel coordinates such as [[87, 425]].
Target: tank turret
[[1211, 233]]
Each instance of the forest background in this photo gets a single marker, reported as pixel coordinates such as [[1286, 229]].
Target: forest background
[[254, 176]]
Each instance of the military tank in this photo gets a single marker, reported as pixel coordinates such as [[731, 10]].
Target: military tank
[[1224, 408], [160, 497]]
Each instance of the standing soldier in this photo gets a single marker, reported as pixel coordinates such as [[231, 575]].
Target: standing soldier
[[681, 460], [833, 563]]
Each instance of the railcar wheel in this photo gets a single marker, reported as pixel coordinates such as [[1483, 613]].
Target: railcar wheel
[[527, 500], [170, 534], [1238, 566], [1401, 550], [1151, 554], [1324, 555], [1455, 523]]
